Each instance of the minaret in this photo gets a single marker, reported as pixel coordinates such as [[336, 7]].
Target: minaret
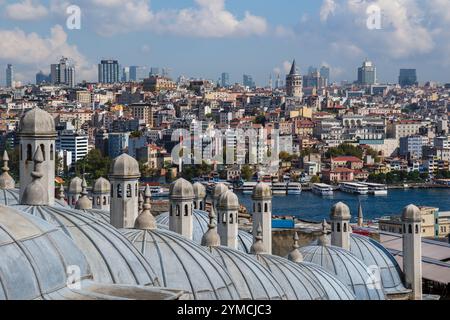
[[294, 83], [181, 198], [340, 226], [146, 220], [124, 179], [295, 255], [200, 195], [360, 216], [141, 201], [74, 191], [262, 214], [84, 203], [228, 210], [37, 130], [34, 193], [219, 188], [258, 246], [6, 181], [101, 194], [211, 238], [412, 250]]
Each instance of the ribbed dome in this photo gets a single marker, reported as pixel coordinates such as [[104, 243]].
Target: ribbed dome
[[113, 259], [252, 280], [101, 186], [6, 181], [262, 191], [332, 286], [180, 263], [181, 189], [228, 200], [200, 226], [296, 283], [348, 268], [75, 185], [340, 210], [37, 122], [125, 166], [372, 253], [411, 213], [199, 190], [218, 190], [10, 197]]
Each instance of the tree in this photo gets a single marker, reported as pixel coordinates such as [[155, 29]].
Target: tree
[[345, 149], [315, 179], [247, 173], [95, 165]]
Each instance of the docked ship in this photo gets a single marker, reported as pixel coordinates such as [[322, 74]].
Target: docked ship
[[322, 189], [294, 188], [376, 188], [353, 187]]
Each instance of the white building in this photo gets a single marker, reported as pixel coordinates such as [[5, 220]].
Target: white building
[[74, 141]]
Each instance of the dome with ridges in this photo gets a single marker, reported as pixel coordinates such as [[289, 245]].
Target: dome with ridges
[[181, 189], [199, 190], [101, 186], [37, 122], [262, 191], [125, 166]]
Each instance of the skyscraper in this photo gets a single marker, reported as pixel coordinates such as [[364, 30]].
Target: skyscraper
[[248, 81], [408, 77], [9, 76], [54, 74], [367, 74], [125, 74], [69, 75], [312, 70], [62, 73], [225, 79], [42, 78], [138, 73], [325, 73], [108, 71], [294, 83], [154, 71]]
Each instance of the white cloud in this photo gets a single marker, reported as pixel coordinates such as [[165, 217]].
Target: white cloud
[[328, 8], [26, 10]]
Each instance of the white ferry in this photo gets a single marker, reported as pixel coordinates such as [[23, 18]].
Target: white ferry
[[279, 188], [376, 188], [352, 187], [159, 192], [294, 188], [322, 189], [247, 187]]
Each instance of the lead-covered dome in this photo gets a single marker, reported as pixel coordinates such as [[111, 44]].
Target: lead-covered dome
[[372, 253], [75, 185], [218, 190], [37, 122], [262, 191], [200, 227], [181, 189], [125, 166], [199, 190], [101, 186], [348, 269], [340, 211], [252, 280], [228, 200], [411, 213], [113, 259], [180, 263]]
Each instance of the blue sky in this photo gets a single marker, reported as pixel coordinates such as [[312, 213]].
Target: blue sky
[[203, 38]]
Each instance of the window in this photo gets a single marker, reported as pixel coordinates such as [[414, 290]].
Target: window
[[201, 205], [51, 152], [409, 228], [345, 227], [231, 218], [338, 227], [98, 200], [404, 228], [129, 191], [186, 210], [195, 204], [266, 208], [29, 155], [178, 210], [20, 152], [136, 190], [43, 151], [332, 226], [119, 191], [259, 207], [105, 200], [224, 218], [171, 211]]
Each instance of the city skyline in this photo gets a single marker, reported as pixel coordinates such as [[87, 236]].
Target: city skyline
[[199, 38]]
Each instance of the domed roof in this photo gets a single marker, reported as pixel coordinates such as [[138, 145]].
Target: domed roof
[[200, 227], [372, 253], [296, 283], [199, 190], [37, 122], [101, 185], [229, 200], [348, 268], [113, 259], [181, 189], [84, 202], [252, 280], [35, 256], [180, 263], [262, 191], [75, 185], [218, 190], [125, 166], [10, 197], [411, 213], [341, 211]]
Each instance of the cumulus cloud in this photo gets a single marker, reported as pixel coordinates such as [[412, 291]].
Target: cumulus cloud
[[328, 8], [26, 10]]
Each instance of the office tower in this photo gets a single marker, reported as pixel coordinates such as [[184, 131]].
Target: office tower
[[270, 82], [325, 73], [138, 73], [69, 73], [294, 82], [154, 71], [54, 74], [42, 78], [367, 74], [225, 79], [408, 77], [74, 141], [166, 72], [108, 71], [126, 74], [62, 73], [312, 70], [9, 76], [248, 81], [63, 70]]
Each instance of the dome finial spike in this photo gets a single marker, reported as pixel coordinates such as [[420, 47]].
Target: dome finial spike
[[5, 161], [35, 193], [295, 255], [6, 181], [61, 194], [258, 246], [146, 220], [211, 238]]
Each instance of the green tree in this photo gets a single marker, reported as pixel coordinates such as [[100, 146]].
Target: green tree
[[247, 173], [345, 150], [95, 165], [315, 179]]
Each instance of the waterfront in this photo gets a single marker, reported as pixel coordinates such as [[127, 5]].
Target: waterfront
[[310, 206]]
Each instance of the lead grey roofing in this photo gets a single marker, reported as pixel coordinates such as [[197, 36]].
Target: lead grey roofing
[[348, 268], [182, 264], [200, 226], [296, 283], [11, 197], [113, 259], [252, 280], [371, 253]]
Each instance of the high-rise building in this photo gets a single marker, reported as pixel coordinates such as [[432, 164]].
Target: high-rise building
[[138, 73], [54, 74], [367, 74], [312, 70], [225, 79], [9, 76], [294, 82], [125, 74], [42, 78], [74, 141], [248, 81], [62, 73], [325, 73], [69, 75], [154, 71], [407, 77], [108, 71], [278, 82]]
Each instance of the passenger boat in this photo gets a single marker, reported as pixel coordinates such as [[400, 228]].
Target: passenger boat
[[294, 188], [376, 188], [247, 187], [353, 187], [322, 189], [279, 188]]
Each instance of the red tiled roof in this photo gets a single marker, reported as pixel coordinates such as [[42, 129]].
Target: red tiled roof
[[346, 159]]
